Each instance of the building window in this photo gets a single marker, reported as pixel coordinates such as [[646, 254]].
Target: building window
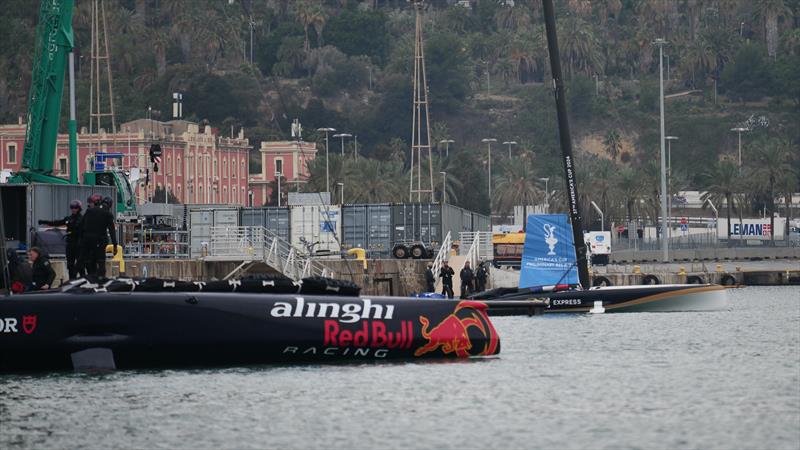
[[279, 166], [62, 166], [225, 194], [224, 167], [180, 166], [180, 192], [12, 153]]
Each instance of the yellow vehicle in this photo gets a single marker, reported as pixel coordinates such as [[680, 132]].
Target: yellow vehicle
[[508, 249]]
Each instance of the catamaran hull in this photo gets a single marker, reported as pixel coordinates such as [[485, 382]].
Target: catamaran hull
[[661, 298], [55, 331]]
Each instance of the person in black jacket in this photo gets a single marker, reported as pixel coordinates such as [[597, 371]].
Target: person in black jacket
[[96, 227], [466, 280], [430, 280], [446, 274], [481, 275], [73, 223], [43, 273]]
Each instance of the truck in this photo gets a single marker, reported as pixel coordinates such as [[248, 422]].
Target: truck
[[598, 246]]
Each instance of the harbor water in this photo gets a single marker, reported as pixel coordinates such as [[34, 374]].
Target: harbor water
[[649, 380]]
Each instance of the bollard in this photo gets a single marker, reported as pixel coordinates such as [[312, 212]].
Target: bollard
[[118, 257], [360, 255], [682, 271]]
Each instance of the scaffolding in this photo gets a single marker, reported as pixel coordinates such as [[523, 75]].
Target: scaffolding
[[421, 127]]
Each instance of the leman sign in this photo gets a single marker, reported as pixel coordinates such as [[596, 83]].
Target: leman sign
[[752, 229]]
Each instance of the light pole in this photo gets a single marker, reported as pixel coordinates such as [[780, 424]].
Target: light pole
[[716, 216], [602, 217], [327, 159], [739, 130], [341, 191], [444, 187], [342, 135], [278, 176], [664, 242], [489, 162], [546, 194], [669, 181], [509, 143], [446, 143]]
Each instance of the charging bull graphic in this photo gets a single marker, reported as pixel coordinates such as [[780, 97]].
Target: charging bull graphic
[[452, 335]]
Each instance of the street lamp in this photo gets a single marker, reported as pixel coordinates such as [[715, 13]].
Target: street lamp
[[488, 142], [664, 242], [739, 130], [342, 135], [446, 143], [546, 194], [327, 159], [669, 181], [278, 176], [341, 190], [716, 216], [602, 217], [444, 187], [509, 143]]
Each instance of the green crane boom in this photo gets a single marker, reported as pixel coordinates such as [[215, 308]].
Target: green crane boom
[[54, 41]]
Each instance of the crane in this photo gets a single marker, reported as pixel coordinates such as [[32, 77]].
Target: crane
[[54, 44]]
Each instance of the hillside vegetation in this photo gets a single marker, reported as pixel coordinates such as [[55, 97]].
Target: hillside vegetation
[[348, 65]]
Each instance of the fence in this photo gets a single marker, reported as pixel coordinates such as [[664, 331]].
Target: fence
[[158, 244]]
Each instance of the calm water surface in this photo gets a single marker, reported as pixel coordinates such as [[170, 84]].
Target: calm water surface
[[687, 380]]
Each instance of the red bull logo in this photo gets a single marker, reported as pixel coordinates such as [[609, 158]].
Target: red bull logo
[[453, 334]]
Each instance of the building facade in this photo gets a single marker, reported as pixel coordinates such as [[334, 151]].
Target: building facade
[[197, 165], [289, 159]]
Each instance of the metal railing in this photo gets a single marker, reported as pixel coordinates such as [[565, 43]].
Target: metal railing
[[442, 255], [250, 244], [482, 240], [158, 244]]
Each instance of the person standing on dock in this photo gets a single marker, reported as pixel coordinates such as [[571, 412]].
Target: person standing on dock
[[466, 280], [481, 275], [430, 280], [73, 223], [97, 226], [446, 274]]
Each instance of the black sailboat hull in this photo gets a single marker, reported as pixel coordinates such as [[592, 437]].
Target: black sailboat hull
[[661, 298], [53, 331]]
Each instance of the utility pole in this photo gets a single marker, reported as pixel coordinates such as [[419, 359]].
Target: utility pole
[[327, 159], [739, 130], [488, 142], [664, 241], [669, 182], [509, 143]]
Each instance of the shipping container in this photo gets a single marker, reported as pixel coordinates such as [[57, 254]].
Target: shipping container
[[200, 223], [417, 222], [316, 229], [25, 204], [481, 222], [368, 226], [274, 219]]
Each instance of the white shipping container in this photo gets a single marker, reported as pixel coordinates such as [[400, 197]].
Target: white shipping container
[[320, 226], [751, 229]]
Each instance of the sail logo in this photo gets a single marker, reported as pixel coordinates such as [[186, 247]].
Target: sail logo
[[550, 238], [751, 229]]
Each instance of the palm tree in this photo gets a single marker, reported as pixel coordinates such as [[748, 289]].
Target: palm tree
[[786, 185], [698, 58], [310, 13], [722, 180], [772, 164], [630, 186], [613, 143], [581, 47], [518, 186], [377, 181], [770, 11]]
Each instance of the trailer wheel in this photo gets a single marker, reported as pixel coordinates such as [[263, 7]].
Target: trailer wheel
[[400, 252], [728, 280], [694, 279], [601, 281], [418, 252], [650, 279]]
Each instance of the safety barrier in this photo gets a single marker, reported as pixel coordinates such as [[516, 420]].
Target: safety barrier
[[482, 240], [158, 245]]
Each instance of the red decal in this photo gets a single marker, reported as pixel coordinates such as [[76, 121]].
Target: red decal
[[452, 333], [28, 324]]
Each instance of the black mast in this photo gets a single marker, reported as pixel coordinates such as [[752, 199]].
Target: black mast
[[566, 143]]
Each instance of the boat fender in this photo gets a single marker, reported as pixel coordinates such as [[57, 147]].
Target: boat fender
[[694, 279], [170, 284], [200, 285], [728, 280], [650, 279], [235, 284], [601, 281], [265, 283]]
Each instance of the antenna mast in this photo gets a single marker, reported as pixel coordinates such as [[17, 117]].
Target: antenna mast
[[420, 137], [100, 53]]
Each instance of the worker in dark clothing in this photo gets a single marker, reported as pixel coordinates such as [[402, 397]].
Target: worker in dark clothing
[[446, 274], [43, 273], [73, 223], [18, 271], [430, 280], [96, 227], [481, 275], [466, 280]]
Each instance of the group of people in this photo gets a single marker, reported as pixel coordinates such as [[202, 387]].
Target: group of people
[[471, 281], [87, 237]]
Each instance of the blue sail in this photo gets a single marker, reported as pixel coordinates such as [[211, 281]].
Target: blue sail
[[548, 257]]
